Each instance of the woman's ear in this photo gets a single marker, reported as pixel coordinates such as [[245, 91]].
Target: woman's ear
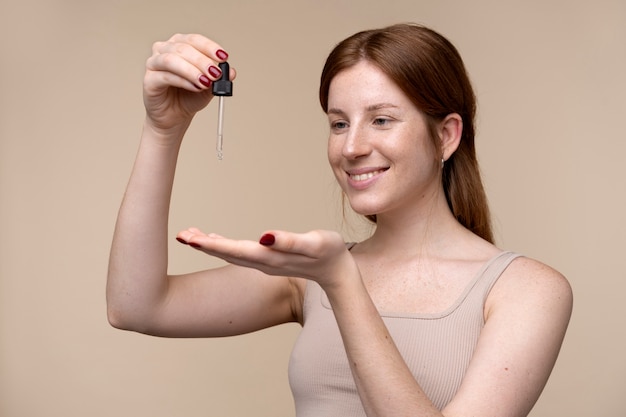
[[450, 131]]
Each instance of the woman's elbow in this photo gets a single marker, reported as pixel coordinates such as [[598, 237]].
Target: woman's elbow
[[117, 318]]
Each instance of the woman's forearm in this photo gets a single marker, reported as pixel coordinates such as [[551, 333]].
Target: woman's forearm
[[384, 382]]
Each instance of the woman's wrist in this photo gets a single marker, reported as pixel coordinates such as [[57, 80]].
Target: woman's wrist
[[346, 285], [171, 136]]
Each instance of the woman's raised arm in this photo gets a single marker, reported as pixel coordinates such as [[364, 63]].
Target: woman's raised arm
[[141, 296]]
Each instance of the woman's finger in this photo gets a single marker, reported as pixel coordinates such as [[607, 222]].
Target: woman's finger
[[201, 43], [242, 252], [172, 68], [193, 58], [315, 244]]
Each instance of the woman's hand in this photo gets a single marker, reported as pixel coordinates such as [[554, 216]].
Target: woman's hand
[[177, 82], [318, 255]]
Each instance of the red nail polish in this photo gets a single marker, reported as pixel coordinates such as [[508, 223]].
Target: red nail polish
[[194, 245], [215, 71], [204, 80], [267, 239], [221, 54], [181, 240]]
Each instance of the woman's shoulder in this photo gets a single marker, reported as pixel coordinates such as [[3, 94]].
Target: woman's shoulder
[[528, 283], [529, 271]]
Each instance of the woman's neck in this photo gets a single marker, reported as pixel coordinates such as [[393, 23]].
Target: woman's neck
[[429, 228]]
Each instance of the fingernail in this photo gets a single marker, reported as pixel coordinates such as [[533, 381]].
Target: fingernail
[[267, 239], [221, 54], [204, 80], [215, 71], [181, 240], [194, 245]]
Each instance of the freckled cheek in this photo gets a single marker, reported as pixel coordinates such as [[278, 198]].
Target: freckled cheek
[[333, 152], [334, 160]]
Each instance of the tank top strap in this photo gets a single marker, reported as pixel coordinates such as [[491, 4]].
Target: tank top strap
[[492, 270]]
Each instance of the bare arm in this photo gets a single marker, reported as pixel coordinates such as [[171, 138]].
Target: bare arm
[[141, 296], [527, 314]]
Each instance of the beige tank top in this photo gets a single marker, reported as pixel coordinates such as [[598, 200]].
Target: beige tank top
[[436, 347]]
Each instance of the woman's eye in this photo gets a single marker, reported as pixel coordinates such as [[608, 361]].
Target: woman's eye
[[379, 121], [338, 125]]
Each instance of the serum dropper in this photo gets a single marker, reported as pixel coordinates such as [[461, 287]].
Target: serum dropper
[[222, 88]]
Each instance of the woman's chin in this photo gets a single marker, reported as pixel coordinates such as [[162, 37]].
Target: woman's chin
[[363, 211]]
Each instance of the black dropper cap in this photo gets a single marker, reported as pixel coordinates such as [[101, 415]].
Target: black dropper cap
[[223, 86]]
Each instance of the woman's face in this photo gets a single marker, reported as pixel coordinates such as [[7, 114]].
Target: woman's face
[[379, 147]]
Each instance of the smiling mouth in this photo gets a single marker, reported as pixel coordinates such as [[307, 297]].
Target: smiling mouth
[[366, 176]]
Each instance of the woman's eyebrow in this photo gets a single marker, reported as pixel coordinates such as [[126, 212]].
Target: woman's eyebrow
[[379, 106], [370, 108], [335, 111]]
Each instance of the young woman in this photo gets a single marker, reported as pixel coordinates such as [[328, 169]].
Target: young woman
[[424, 318]]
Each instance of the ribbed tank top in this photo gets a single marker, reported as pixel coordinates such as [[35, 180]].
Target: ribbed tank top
[[436, 347]]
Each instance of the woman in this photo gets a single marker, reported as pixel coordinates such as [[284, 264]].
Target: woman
[[424, 318]]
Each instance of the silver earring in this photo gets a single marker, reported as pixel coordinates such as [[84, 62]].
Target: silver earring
[[442, 162]]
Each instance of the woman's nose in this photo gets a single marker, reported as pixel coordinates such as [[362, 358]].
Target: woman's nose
[[357, 143]]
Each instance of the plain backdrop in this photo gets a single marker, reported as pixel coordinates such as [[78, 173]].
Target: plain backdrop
[[549, 77]]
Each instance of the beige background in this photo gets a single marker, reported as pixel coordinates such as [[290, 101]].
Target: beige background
[[549, 77]]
